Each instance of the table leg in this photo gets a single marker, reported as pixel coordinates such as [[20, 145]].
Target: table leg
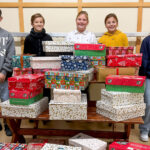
[[127, 130], [14, 126]]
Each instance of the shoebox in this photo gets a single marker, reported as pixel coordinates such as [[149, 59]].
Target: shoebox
[[67, 96], [121, 98], [19, 71], [13, 146], [59, 147], [26, 82], [94, 91], [120, 113], [87, 142], [119, 145], [29, 111], [103, 72], [128, 60], [75, 63], [45, 62], [25, 97], [68, 111], [57, 46], [98, 61], [125, 83], [40, 71], [66, 80], [90, 49], [119, 50]]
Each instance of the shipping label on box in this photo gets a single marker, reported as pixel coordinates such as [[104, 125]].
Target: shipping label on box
[[121, 98], [68, 111], [67, 96], [129, 60], [30, 111], [87, 142], [66, 80]]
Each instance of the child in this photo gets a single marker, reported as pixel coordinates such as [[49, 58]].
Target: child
[[81, 35], [7, 50], [113, 37], [33, 42], [145, 71]]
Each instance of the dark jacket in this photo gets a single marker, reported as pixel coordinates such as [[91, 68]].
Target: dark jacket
[[145, 50], [33, 42]]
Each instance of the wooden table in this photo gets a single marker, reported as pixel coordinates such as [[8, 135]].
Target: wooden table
[[15, 122]]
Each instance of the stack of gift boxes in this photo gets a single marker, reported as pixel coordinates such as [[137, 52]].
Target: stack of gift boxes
[[26, 96]]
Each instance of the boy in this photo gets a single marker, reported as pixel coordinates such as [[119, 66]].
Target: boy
[[7, 50]]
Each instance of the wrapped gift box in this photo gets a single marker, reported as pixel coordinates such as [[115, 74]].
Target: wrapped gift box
[[87, 142], [103, 72], [128, 60], [57, 46], [123, 145], [16, 61], [90, 49], [13, 146], [125, 83], [66, 80], [120, 113], [26, 82], [40, 71], [25, 97], [97, 61], [119, 50], [59, 147], [19, 71], [75, 63], [121, 98], [67, 96], [68, 111], [45, 62], [30, 111]]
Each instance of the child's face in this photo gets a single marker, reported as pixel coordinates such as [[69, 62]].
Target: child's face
[[111, 24], [81, 23], [38, 24]]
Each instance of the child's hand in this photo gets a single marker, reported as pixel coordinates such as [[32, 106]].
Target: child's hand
[[2, 78]]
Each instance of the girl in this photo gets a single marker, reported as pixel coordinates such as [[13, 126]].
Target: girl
[[113, 37]]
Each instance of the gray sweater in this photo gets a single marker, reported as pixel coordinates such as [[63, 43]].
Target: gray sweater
[[7, 50]]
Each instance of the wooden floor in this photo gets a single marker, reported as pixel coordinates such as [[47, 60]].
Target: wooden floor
[[134, 137]]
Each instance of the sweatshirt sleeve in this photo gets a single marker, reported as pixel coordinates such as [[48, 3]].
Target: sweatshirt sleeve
[[10, 51]]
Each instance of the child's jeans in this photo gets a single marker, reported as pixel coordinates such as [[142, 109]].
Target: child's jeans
[[4, 93], [145, 128]]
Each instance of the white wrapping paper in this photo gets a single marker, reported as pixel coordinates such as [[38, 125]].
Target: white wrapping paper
[[30, 111], [87, 142], [68, 111]]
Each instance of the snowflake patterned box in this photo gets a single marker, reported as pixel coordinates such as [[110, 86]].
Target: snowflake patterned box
[[125, 83], [128, 60], [57, 46], [90, 49], [68, 111], [45, 62], [120, 113], [97, 61], [67, 96], [59, 147], [119, 50], [66, 80], [75, 63], [30, 111], [87, 142], [121, 98]]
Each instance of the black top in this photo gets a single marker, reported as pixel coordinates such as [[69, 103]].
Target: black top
[[33, 42]]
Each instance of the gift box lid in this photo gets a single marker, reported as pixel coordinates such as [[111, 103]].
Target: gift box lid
[[120, 48], [98, 47], [45, 58], [125, 80], [57, 43], [123, 56], [70, 57], [123, 145]]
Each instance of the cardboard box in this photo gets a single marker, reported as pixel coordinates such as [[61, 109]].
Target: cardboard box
[[103, 72]]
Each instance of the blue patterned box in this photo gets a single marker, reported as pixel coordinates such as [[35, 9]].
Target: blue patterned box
[[26, 61], [75, 63], [16, 62]]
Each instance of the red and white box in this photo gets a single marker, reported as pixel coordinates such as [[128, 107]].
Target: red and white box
[[129, 60], [128, 146], [26, 82]]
